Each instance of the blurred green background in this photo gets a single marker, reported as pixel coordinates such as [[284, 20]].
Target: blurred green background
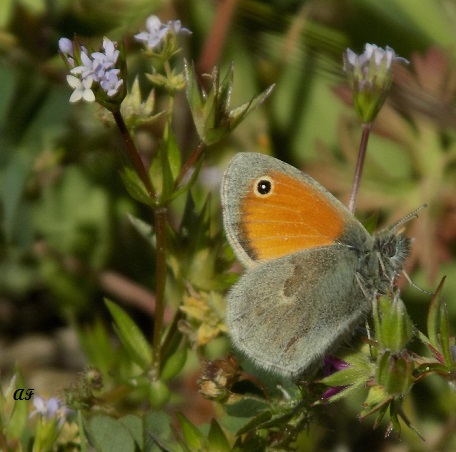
[[65, 237]]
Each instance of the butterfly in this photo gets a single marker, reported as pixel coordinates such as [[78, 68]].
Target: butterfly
[[312, 269]]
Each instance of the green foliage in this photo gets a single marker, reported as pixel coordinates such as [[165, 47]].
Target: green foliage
[[211, 114], [131, 337]]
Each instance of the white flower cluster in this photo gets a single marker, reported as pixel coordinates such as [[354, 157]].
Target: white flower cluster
[[99, 68], [158, 30], [373, 62]]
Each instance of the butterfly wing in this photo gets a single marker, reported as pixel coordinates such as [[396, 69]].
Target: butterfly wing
[[301, 247], [286, 314], [295, 214]]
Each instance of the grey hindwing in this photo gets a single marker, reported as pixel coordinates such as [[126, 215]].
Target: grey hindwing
[[286, 314]]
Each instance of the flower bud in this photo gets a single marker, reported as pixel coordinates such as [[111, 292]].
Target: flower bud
[[394, 373], [217, 378], [393, 326], [370, 75]]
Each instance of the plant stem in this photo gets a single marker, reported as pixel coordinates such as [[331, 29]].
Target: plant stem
[[133, 154], [359, 167], [160, 217], [161, 271], [195, 155]]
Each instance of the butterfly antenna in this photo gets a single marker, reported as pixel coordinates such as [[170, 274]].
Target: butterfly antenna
[[407, 218]]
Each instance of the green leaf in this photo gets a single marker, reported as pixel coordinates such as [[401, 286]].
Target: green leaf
[[375, 400], [174, 364], [359, 370], [134, 424], [131, 336], [158, 433], [247, 407], [343, 393], [145, 229], [438, 325], [160, 171], [135, 187], [110, 435], [217, 438], [196, 96], [194, 439], [17, 423], [173, 152], [190, 182], [239, 113], [252, 424], [95, 340]]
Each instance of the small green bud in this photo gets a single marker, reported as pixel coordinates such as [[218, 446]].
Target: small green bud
[[394, 373], [211, 110], [392, 324], [159, 394]]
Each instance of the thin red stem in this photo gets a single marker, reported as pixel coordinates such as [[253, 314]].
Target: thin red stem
[[359, 167]]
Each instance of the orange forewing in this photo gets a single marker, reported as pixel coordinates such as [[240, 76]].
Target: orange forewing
[[294, 216]]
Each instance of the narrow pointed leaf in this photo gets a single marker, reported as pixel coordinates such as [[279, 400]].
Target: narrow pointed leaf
[[194, 439], [217, 438], [438, 324], [134, 186], [131, 336]]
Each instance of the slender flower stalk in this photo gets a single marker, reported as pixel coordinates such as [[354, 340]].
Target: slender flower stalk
[[359, 167], [370, 75], [133, 154]]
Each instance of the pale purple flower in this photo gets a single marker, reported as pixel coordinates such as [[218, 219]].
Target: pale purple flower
[[158, 30], [89, 68], [52, 408], [48, 408], [154, 34], [108, 59], [98, 68], [111, 82], [370, 75], [66, 49], [331, 365], [66, 46], [175, 27], [82, 88], [373, 64]]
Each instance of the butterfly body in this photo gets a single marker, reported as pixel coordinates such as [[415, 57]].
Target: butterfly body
[[311, 267]]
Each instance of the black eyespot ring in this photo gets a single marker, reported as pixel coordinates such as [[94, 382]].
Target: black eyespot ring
[[263, 186]]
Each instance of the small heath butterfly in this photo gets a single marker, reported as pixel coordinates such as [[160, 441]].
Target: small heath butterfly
[[312, 269]]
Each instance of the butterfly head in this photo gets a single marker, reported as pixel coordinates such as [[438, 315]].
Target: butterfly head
[[393, 249]]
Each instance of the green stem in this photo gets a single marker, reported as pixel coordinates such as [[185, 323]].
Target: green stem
[[161, 272], [359, 166], [133, 154], [195, 155]]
